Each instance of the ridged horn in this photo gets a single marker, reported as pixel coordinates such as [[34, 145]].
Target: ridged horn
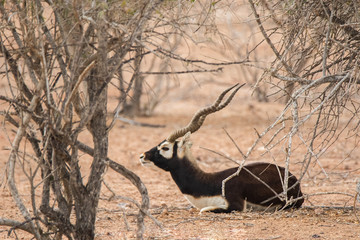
[[199, 117]]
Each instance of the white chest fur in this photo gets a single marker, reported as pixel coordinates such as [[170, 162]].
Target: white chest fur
[[208, 203]]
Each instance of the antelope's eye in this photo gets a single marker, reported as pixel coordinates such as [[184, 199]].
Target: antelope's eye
[[165, 149]]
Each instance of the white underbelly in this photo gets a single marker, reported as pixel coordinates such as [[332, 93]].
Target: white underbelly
[[205, 202], [219, 202]]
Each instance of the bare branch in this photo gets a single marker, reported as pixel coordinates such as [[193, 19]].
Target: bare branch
[[25, 226]]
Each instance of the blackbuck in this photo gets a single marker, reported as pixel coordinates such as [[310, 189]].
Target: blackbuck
[[257, 186]]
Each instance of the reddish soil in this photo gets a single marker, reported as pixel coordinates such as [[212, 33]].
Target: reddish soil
[[326, 216]]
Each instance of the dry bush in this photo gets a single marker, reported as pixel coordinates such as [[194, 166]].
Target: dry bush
[[315, 71], [59, 60]]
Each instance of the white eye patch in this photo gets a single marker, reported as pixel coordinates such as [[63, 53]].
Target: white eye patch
[[166, 149]]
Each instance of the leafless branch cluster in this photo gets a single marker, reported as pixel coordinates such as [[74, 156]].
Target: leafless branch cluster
[[59, 58], [315, 70]]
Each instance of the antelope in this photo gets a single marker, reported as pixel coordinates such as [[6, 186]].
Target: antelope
[[257, 186]]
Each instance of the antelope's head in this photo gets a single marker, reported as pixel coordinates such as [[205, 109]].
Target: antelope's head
[[177, 146], [166, 154]]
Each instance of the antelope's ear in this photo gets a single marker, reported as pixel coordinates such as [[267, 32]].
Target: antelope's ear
[[185, 141], [184, 145]]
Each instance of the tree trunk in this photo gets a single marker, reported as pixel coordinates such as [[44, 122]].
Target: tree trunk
[[97, 92], [88, 196]]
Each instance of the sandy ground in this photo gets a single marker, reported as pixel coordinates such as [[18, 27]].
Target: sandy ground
[[322, 217]]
